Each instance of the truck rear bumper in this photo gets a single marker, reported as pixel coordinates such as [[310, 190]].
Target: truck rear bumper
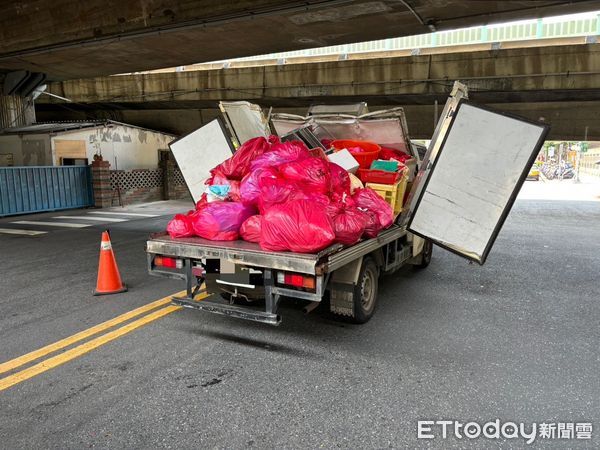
[[228, 310]]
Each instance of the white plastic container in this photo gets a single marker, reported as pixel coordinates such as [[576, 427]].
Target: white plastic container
[[344, 159]]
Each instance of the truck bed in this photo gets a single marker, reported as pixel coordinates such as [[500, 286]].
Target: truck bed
[[250, 254]]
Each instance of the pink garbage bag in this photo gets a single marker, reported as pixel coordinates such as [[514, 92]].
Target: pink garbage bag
[[311, 174], [372, 227], [221, 221], [219, 179], [368, 199], [281, 153], [250, 229], [349, 225], [392, 153], [340, 181], [274, 191], [315, 197], [238, 165], [181, 225], [202, 202], [298, 225], [250, 186]]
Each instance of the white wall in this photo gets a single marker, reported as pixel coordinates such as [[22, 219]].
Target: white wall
[[28, 149], [124, 147]]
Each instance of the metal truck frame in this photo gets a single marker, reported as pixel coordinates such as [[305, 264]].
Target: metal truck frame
[[347, 277]]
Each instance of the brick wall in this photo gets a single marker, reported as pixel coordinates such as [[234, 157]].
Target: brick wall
[[101, 184], [136, 186], [179, 189], [125, 187], [174, 186]]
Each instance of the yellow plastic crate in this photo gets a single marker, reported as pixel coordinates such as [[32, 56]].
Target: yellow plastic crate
[[392, 193]]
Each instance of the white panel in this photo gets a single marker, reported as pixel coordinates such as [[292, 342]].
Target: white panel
[[354, 109], [473, 180], [385, 132], [246, 119], [376, 127], [284, 126], [200, 151]]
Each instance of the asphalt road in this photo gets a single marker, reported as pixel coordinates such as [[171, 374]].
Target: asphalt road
[[516, 339]]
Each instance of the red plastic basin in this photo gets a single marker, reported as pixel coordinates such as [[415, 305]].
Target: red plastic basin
[[364, 158]]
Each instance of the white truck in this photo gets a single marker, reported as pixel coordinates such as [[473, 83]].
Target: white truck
[[460, 194]]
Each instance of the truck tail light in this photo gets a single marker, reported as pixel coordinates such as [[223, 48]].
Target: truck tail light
[[165, 261], [296, 280]]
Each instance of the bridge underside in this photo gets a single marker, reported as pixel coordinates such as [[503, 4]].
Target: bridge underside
[[75, 39], [560, 84], [568, 119]]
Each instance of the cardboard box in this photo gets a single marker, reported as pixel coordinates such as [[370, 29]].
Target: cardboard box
[[344, 159]]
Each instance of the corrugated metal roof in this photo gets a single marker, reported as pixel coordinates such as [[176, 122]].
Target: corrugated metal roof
[[57, 127], [41, 128]]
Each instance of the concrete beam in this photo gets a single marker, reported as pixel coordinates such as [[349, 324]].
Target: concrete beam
[[568, 120], [560, 84], [565, 73]]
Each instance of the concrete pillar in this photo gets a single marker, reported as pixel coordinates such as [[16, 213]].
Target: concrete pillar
[[101, 184], [16, 111]]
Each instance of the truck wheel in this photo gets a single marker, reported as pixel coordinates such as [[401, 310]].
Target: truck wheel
[[426, 255], [365, 294]]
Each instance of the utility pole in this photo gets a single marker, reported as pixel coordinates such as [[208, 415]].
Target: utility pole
[[560, 151], [577, 180]]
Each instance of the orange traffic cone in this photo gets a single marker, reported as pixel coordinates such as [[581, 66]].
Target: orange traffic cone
[[109, 280]]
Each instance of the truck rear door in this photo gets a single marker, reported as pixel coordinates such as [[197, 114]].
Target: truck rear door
[[474, 168], [246, 120], [198, 152]]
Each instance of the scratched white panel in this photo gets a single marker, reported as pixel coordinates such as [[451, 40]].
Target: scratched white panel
[[474, 177], [198, 152], [247, 120]]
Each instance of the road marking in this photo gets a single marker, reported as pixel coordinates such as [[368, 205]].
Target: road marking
[[21, 232], [124, 214], [17, 362], [99, 219], [86, 347], [53, 224]]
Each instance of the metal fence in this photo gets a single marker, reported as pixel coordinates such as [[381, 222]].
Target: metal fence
[[40, 188], [588, 161]]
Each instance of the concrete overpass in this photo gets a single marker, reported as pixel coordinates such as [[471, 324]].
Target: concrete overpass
[[559, 83], [71, 39]]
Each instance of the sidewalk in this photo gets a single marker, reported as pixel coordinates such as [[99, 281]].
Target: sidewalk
[[588, 189], [162, 207]]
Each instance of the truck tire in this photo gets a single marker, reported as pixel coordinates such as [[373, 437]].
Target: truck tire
[[426, 255], [365, 294]]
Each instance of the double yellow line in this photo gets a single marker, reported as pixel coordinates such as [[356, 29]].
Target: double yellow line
[[86, 347]]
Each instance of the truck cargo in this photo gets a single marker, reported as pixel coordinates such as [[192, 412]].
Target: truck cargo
[[460, 193]]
